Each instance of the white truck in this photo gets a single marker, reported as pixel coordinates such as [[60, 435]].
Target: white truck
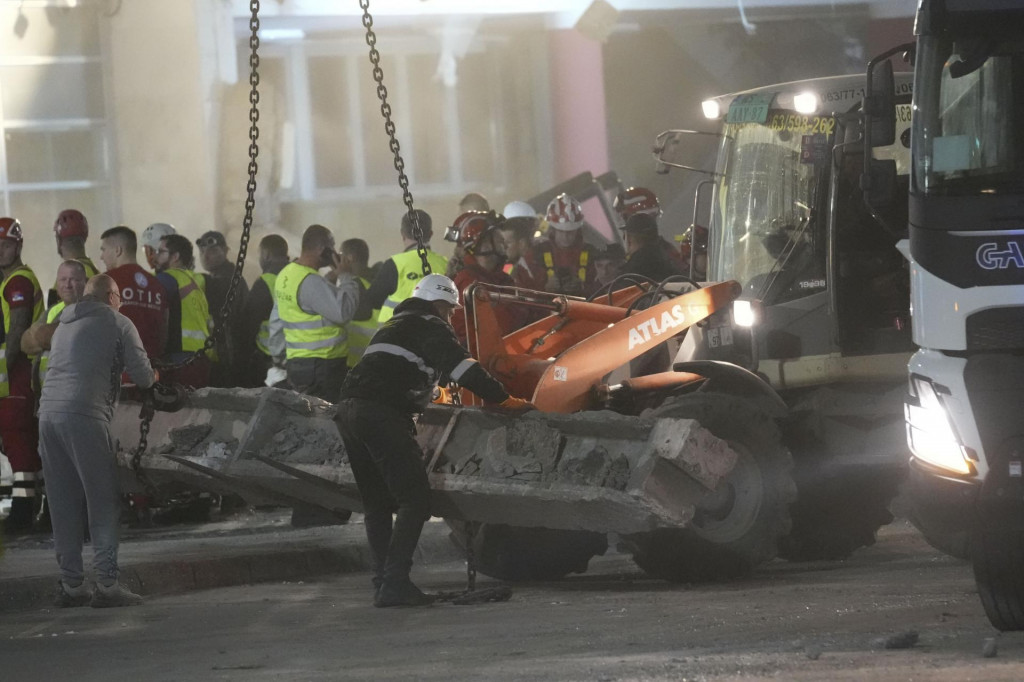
[[966, 250]]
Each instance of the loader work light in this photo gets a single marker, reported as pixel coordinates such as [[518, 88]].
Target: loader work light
[[929, 430], [745, 313], [711, 109]]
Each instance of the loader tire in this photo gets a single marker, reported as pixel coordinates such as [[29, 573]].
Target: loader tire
[[519, 554], [736, 527], [997, 554], [834, 518]]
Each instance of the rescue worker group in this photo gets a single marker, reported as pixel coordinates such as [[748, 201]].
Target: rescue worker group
[[374, 340]]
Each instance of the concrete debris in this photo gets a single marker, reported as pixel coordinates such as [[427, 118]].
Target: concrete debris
[[301, 442], [990, 648], [812, 652], [598, 471], [185, 438], [902, 640]]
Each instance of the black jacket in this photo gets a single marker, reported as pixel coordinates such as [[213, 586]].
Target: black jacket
[[408, 355], [651, 260]]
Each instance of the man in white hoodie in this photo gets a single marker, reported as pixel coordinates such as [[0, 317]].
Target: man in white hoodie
[[92, 346]]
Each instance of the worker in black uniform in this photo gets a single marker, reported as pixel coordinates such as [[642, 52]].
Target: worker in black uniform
[[393, 382], [645, 254]]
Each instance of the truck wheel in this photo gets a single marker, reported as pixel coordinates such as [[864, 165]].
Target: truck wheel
[[997, 553], [834, 518], [518, 554], [737, 526]]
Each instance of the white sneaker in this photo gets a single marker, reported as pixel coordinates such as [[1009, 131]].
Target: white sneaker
[[115, 595]]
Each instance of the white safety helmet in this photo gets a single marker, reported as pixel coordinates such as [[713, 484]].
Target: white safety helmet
[[518, 209], [437, 288], [152, 235], [564, 213]]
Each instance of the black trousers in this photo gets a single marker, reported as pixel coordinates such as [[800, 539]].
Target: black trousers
[[317, 377], [389, 469]]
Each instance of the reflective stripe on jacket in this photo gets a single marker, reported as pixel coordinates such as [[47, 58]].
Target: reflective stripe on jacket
[[195, 311], [37, 312], [306, 335], [360, 332], [263, 336], [410, 270], [549, 263], [44, 357]]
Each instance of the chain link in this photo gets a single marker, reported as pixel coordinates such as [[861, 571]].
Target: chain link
[[389, 128], [224, 315]]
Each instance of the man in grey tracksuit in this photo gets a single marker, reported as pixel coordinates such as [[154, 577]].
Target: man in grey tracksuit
[[91, 347]]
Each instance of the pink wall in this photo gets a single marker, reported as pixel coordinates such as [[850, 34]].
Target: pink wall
[[577, 104]]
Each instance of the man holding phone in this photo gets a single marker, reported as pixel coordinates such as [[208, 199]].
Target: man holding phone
[[313, 312]]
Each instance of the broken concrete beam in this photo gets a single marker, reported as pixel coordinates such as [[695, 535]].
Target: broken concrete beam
[[598, 471]]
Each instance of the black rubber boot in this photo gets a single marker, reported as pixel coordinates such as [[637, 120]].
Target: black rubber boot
[[397, 589], [401, 593], [378, 535]]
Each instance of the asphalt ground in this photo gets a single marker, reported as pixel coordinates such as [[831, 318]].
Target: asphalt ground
[[246, 548]]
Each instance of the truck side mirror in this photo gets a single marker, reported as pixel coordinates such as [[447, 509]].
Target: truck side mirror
[[880, 105]]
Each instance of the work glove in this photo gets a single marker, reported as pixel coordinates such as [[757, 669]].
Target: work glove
[[442, 396], [514, 404], [275, 375]]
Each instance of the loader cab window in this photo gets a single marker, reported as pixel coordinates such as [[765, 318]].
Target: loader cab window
[[770, 233]]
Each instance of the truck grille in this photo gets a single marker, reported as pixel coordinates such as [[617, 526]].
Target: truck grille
[[996, 329]]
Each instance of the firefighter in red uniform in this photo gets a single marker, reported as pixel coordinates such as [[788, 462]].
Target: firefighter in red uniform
[[483, 255], [640, 200], [71, 229], [143, 297], [21, 299], [518, 230], [563, 257]]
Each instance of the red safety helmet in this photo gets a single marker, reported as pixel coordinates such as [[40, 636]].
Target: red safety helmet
[[634, 200], [564, 213], [471, 227], [71, 223], [10, 228]]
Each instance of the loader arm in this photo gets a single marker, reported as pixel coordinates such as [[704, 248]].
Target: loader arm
[[559, 360]]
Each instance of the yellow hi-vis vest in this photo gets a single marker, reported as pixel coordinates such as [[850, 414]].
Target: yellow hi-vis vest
[[360, 332], [44, 357], [306, 335], [549, 263], [410, 270], [37, 312], [195, 311], [263, 335]]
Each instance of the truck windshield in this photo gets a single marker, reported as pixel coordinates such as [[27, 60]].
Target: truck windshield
[[766, 229], [968, 131]]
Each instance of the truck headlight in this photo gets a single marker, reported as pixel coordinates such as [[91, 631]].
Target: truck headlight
[[929, 430]]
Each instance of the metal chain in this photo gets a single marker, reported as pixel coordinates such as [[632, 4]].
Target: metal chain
[[389, 128], [224, 314]]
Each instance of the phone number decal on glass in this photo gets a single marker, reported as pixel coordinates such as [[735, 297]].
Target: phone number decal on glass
[[805, 125]]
